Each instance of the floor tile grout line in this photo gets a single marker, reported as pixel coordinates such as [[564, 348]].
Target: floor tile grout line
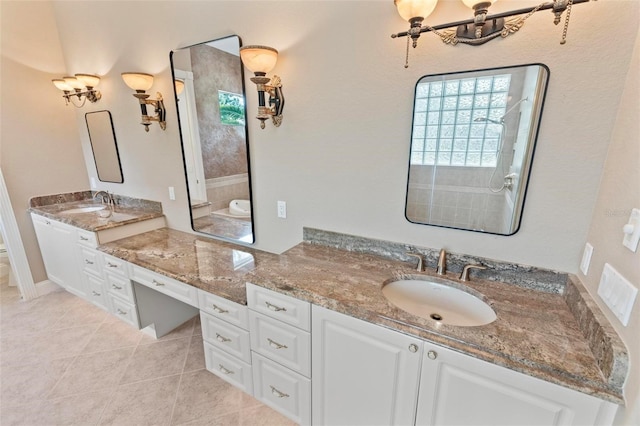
[[184, 364]]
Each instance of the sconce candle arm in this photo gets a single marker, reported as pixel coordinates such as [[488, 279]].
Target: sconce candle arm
[[544, 6]]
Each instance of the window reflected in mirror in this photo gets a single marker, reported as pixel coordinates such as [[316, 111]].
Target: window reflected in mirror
[[473, 137], [210, 97]]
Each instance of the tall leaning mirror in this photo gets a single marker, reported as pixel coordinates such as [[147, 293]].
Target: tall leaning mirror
[[472, 144], [210, 99]]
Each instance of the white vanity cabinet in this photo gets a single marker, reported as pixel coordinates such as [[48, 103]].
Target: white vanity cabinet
[[90, 264], [457, 389], [363, 374], [58, 246], [281, 352], [225, 335]]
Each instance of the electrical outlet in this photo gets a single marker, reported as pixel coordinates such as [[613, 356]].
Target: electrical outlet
[[617, 293], [586, 258], [282, 209]]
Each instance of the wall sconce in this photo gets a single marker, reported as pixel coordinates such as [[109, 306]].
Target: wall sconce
[[481, 28], [141, 82], [260, 60], [81, 86]]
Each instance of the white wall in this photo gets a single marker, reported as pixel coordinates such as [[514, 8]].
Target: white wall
[[39, 146], [619, 193]]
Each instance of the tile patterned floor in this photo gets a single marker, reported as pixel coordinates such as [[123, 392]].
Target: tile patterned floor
[[64, 361]]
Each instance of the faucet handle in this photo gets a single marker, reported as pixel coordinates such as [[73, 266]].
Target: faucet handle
[[464, 276], [419, 268]]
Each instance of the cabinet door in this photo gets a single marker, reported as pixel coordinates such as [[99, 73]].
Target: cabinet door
[[456, 389], [57, 243], [363, 374]]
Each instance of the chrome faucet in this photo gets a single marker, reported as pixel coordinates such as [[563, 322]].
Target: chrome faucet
[[441, 269], [464, 276], [106, 198], [419, 268]]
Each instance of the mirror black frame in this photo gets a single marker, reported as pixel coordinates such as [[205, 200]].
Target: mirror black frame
[[247, 146], [115, 145], [541, 91]]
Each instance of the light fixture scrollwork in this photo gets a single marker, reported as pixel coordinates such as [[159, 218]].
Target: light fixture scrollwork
[[82, 87], [481, 28], [260, 60], [141, 82]]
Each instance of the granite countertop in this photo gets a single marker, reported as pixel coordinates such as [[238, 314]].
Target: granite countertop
[[126, 211], [535, 332]]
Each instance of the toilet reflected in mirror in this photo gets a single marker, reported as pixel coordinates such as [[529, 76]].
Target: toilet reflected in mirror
[[210, 98]]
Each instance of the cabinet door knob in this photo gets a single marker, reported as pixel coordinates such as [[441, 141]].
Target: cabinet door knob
[[432, 354], [413, 348]]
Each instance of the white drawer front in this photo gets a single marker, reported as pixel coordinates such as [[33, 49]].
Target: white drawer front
[[115, 265], [226, 337], [173, 288], [282, 389], [96, 292], [280, 342], [224, 309], [87, 238], [228, 368], [125, 311], [285, 308], [91, 261], [120, 287]]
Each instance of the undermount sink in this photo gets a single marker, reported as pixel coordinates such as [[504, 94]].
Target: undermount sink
[[439, 300], [88, 209]]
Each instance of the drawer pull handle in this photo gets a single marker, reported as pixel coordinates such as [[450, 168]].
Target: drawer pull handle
[[276, 344], [274, 307], [88, 262], [121, 312], [95, 293], [221, 338], [83, 238], [115, 287], [278, 393], [111, 265], [224, 370], [218, 309], [157, 283], [47, 222]]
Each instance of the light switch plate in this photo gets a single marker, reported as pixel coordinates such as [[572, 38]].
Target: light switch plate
[[631, 240], [586, 258], [617, 292]]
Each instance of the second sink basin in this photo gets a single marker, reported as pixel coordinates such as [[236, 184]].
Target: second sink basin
[[88, 209], [437, 299]]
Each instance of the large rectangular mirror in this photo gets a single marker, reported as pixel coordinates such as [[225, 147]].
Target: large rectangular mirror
[[472, 144], [104, 146], [210, 98]]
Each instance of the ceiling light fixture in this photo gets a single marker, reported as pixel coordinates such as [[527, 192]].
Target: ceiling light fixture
[[481, 28]]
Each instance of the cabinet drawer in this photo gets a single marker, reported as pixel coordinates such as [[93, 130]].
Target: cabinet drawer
[[173, 288], [226, 337], [91, 261], [125, 311], [95, 291], [120, 287], [285, 308], [224, 309], [228, 368], [115, 265], [280, 342], [87, 238], [282, 389]]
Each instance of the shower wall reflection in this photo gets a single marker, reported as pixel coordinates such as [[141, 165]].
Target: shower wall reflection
[[213, 127]]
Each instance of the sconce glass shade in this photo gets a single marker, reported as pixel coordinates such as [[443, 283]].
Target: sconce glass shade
[[416, 8], [259, 58], [62, 85], [73, 83], [138, 81], [179, 86], [471, 3], [88, 80]]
